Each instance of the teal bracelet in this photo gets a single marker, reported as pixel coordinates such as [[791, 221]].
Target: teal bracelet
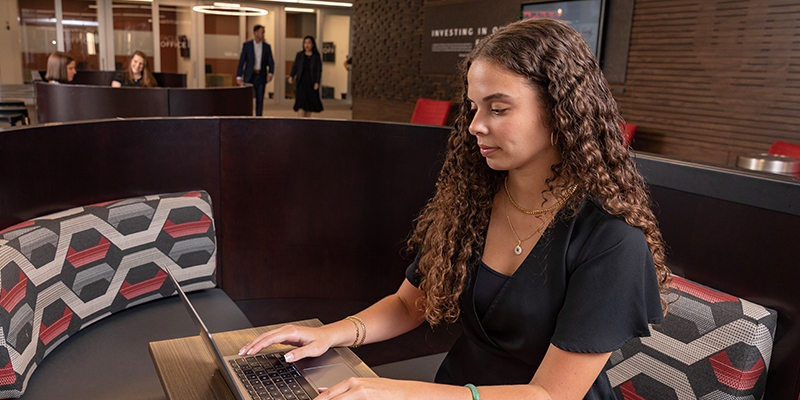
[[475, 395]]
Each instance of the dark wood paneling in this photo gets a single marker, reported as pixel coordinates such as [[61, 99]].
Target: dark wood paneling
[[325, 205], [221, 101], [735, 231], [744, 250], [715, 79], [53, 168], [63, 103]]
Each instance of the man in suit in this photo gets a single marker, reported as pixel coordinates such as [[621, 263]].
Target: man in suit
[[256, 65]]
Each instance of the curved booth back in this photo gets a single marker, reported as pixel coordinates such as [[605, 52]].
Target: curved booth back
[[321, 209], [64, 103]]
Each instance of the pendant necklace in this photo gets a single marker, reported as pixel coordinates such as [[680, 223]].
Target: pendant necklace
[[536, 213], [518, 247]]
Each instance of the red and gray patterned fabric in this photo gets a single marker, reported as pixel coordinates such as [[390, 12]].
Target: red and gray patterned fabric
[[62, 272], [711, 346]]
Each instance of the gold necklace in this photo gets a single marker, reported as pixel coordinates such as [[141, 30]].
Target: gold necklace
[[543, 210], [518, 247]]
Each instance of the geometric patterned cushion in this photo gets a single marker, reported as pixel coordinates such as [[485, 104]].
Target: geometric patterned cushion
[[62, 272], [711, 346]]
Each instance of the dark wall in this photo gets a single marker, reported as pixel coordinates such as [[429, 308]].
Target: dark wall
[[705, 80], [328, 203]]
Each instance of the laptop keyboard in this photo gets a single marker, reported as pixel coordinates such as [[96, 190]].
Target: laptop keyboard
[[268, 377]]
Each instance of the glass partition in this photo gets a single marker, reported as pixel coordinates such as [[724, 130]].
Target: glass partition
[[81, 36], [222, 49], [133, 30], [37, 19]]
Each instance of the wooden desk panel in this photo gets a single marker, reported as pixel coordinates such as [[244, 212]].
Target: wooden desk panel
[[187, 370]]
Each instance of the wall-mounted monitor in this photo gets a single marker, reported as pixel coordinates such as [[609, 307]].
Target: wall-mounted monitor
[[585, 16]]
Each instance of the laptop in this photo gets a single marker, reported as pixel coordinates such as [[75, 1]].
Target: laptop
[[266, 375]]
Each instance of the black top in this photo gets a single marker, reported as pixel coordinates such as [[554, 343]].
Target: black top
[[588, 286], [120, 77]]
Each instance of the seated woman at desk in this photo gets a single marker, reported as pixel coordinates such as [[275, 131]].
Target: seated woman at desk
[[61, 68], [137, 74], [540, 236]]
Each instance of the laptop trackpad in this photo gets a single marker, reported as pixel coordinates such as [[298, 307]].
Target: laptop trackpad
[[327, 375]]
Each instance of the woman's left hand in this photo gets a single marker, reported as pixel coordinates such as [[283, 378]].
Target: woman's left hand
[[374, 388], [316, 86]]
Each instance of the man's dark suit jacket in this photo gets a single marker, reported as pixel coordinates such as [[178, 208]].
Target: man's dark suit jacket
[[248, 60]]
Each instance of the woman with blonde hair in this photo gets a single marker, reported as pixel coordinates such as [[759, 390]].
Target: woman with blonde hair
[[540, 238], [61, 68], [137, 74]]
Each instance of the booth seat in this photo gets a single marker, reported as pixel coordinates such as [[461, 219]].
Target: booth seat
[[711, 345], [84, 291], [330, 204]]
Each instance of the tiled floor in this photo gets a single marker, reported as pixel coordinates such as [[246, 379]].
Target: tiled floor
[[335, 110]]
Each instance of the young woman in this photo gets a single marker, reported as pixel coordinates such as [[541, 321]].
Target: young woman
[[307, 72], [540, 237], [60, 68], [137, 74]]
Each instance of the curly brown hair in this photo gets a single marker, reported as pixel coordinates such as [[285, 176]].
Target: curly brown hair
[[586, 125]]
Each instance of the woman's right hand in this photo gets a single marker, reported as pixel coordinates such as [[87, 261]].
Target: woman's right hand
[[310, 342], [290, 80]]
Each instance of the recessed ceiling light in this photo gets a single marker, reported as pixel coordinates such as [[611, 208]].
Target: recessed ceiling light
[[230, 9]]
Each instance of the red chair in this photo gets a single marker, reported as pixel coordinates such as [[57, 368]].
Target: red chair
[[785, 149], [431, 112], [628, 131]]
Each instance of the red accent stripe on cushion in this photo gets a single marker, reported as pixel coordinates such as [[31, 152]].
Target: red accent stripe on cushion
[[7, 375], [102, 204], [9, 299], [18, 226], [711, 296], [188, 228], [130, 291], [48, 333], [191, 194], [629, 392], [733, 377], [90, 255]]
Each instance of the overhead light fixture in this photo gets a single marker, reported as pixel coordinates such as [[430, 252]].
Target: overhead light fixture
[[300, 10], [314, 2], [230, 9], [326, 3]]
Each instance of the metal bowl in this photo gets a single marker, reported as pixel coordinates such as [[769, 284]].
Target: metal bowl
[[774, 163]]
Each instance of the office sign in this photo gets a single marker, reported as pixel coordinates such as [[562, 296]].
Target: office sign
[[328, 52], [452, 29]]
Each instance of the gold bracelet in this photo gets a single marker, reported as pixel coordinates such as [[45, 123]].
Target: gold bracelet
[[357, 331], [363, 329]]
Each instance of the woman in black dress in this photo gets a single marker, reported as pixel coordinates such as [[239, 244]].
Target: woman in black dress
[[307, 72], [540, 238]]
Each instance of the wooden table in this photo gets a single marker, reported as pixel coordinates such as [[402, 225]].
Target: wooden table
[[187, 370]]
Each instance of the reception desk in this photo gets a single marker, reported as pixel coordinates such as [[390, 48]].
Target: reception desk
[[319, 209], [65, 103]]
